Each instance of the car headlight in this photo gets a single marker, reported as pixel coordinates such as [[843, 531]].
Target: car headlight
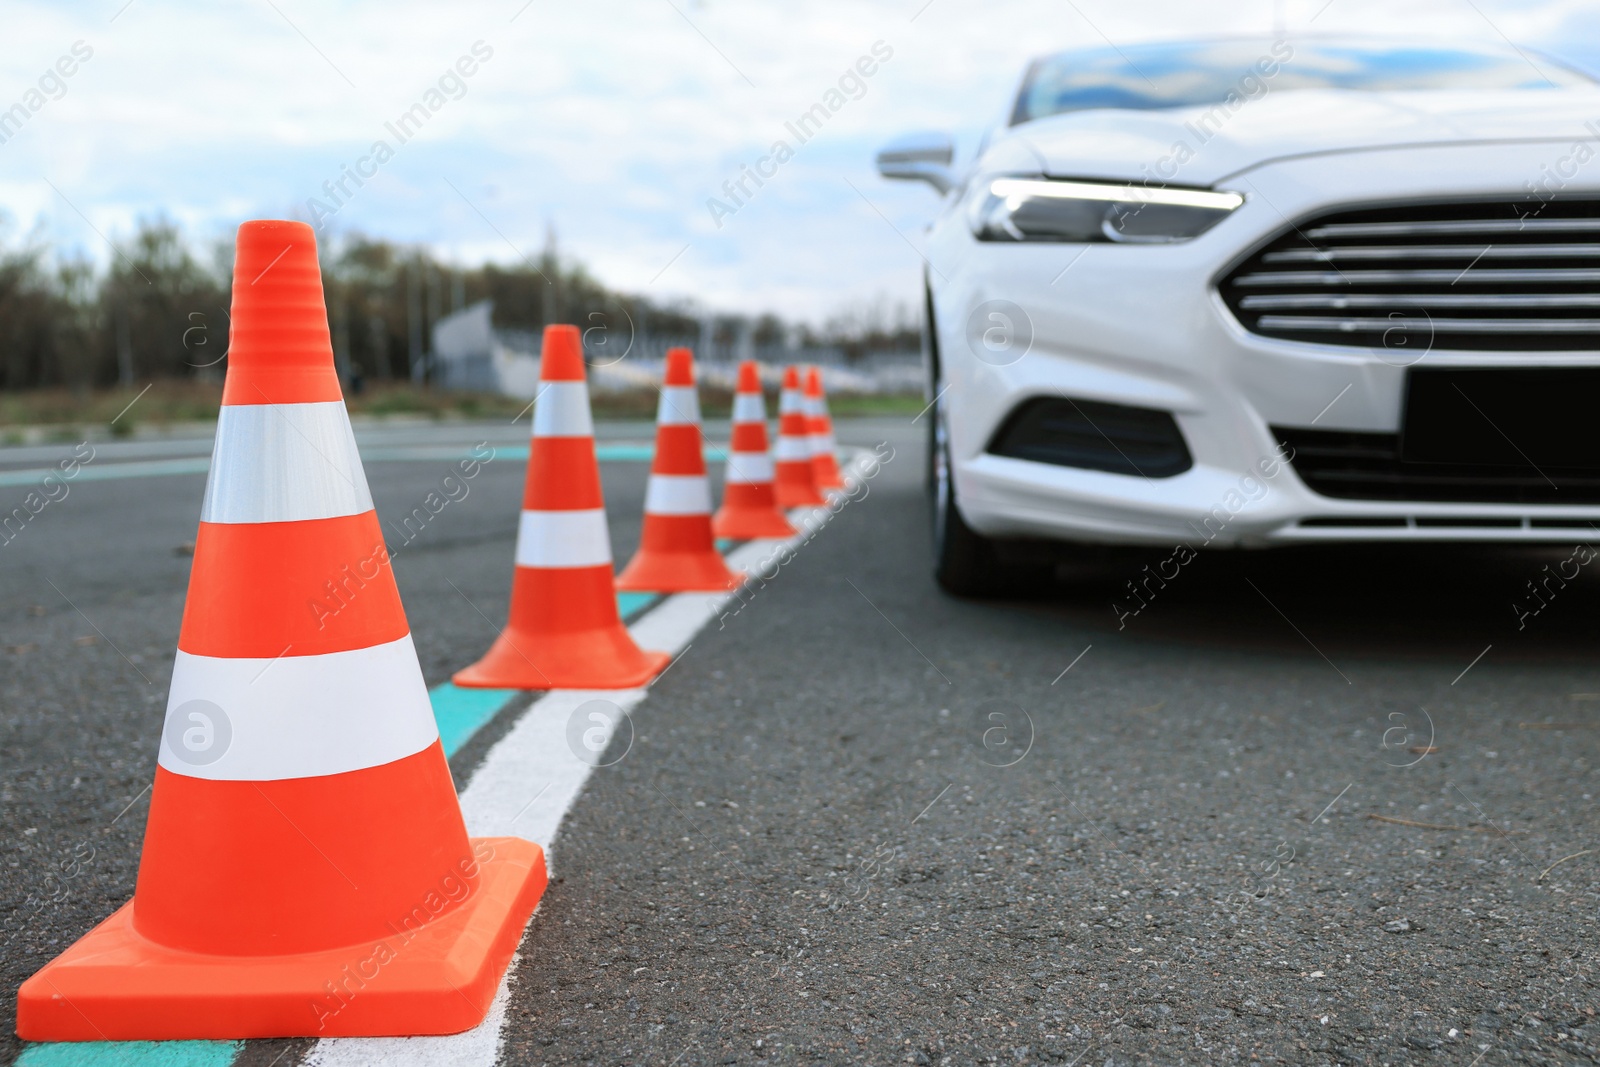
[[1037, 209]]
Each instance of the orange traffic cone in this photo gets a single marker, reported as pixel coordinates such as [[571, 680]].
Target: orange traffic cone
[[749, 504], [677, 553], [306, 871], [824, 464], [796, 480], [565, 632]]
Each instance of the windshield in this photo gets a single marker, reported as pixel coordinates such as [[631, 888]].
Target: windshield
[[1148, 77]]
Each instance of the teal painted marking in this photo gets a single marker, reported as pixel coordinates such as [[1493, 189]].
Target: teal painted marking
[[461, 713], [157, 468], [631, 604], [130, 1054], [88, 472]]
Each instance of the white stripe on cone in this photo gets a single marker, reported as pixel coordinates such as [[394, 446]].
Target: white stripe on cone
[[749, 407], [563, 539], [257, 720], [561, 409], [792, 449], [284, 463], [749, 468], [679, 406], [677, 494], [791, 401]]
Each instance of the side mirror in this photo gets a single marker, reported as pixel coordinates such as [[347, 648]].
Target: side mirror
[[919, 157]]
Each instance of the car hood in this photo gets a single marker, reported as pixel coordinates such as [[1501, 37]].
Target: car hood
[[1203, 145]]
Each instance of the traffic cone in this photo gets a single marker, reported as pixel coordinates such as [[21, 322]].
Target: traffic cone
[[749, 504], [565, 632], [796, 480], [306, 870], [824, 464], [677, 553]]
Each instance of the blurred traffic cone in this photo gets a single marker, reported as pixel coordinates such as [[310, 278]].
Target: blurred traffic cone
[[749, 504], [306, 870], [565, 632], [796, 479], [677, 553], [824, 464]]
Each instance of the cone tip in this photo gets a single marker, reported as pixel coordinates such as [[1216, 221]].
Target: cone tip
[[813, 382], [561, 355], [749, 377], [261, 229], [791, 377], [274, 258], [279, 349], [680, 367]]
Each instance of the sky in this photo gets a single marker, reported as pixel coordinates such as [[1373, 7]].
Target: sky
[[610, 122]]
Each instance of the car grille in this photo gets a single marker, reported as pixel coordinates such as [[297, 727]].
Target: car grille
[[1367, 466], [1510, 275]]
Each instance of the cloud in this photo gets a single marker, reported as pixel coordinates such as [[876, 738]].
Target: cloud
[[613, 120]]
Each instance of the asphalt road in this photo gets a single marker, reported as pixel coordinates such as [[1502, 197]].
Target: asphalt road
[[1293, 812]]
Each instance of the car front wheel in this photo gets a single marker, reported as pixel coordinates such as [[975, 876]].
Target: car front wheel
[[965, 562]]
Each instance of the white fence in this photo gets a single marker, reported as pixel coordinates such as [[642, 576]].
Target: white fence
[[469, 353], [642, 364]]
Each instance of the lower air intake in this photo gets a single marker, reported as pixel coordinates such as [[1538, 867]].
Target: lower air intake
[[1092, 435]]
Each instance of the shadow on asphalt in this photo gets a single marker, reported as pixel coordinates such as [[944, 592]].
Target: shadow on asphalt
[[1388, 601]]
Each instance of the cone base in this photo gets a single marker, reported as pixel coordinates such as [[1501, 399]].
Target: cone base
[[604, 657], [116, 985], [677, 572], [751, 524]]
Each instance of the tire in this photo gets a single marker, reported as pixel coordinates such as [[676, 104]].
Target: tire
[[965, 562]]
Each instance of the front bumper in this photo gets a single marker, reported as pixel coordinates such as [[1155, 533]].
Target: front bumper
[[1144, 326]]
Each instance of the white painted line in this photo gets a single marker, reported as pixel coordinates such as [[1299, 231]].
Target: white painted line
[[530, 779], [672, 624], [475, 1048], [532, 776]]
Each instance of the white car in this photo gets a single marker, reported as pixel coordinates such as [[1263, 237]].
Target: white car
[[1265, 292]]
